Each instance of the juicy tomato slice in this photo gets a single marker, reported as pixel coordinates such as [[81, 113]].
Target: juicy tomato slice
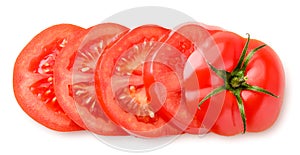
[[74, 74], [33, 77], [120, 84], [62, 73]]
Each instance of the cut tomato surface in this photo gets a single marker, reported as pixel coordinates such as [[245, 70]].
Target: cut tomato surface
[[63, 78], [78, 63], [33, 77], [120, 83]]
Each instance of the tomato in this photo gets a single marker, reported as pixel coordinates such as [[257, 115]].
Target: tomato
[[253, 81], [73, 74], [33, 77], [120, 84]]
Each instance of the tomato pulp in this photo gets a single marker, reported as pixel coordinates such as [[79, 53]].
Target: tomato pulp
[[33, 77], [121, 82], [80, 83]]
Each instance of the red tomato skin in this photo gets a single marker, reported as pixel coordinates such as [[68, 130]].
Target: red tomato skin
[[24, 77], [230, 46], [264, 70]]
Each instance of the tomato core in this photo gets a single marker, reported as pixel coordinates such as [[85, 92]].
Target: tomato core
[[237, 81]]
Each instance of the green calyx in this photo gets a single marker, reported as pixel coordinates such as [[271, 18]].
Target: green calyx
[[236, 81]]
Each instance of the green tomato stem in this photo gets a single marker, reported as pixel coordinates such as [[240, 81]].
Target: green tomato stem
[[250, 55], [212, 93], [239, 99], [242, 57]]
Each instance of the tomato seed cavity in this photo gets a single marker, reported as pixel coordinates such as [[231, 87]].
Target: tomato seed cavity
[[131, 95], [83, 81], [43, 88]]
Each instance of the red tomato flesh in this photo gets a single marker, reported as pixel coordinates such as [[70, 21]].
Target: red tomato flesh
[[74, 74], [33, 77], [125, 102]]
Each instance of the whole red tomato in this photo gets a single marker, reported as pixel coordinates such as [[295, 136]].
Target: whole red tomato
[[254, 81]]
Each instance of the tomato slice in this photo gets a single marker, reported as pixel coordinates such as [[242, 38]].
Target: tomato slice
[[62, 73], [120, 84], [80, 83], [33, 77]]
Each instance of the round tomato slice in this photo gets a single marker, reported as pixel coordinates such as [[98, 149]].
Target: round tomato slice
[[33, 77], [120, 84], [75, 78], [62, 73]]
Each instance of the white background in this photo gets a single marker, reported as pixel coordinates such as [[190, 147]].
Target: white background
[[276, 23]]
